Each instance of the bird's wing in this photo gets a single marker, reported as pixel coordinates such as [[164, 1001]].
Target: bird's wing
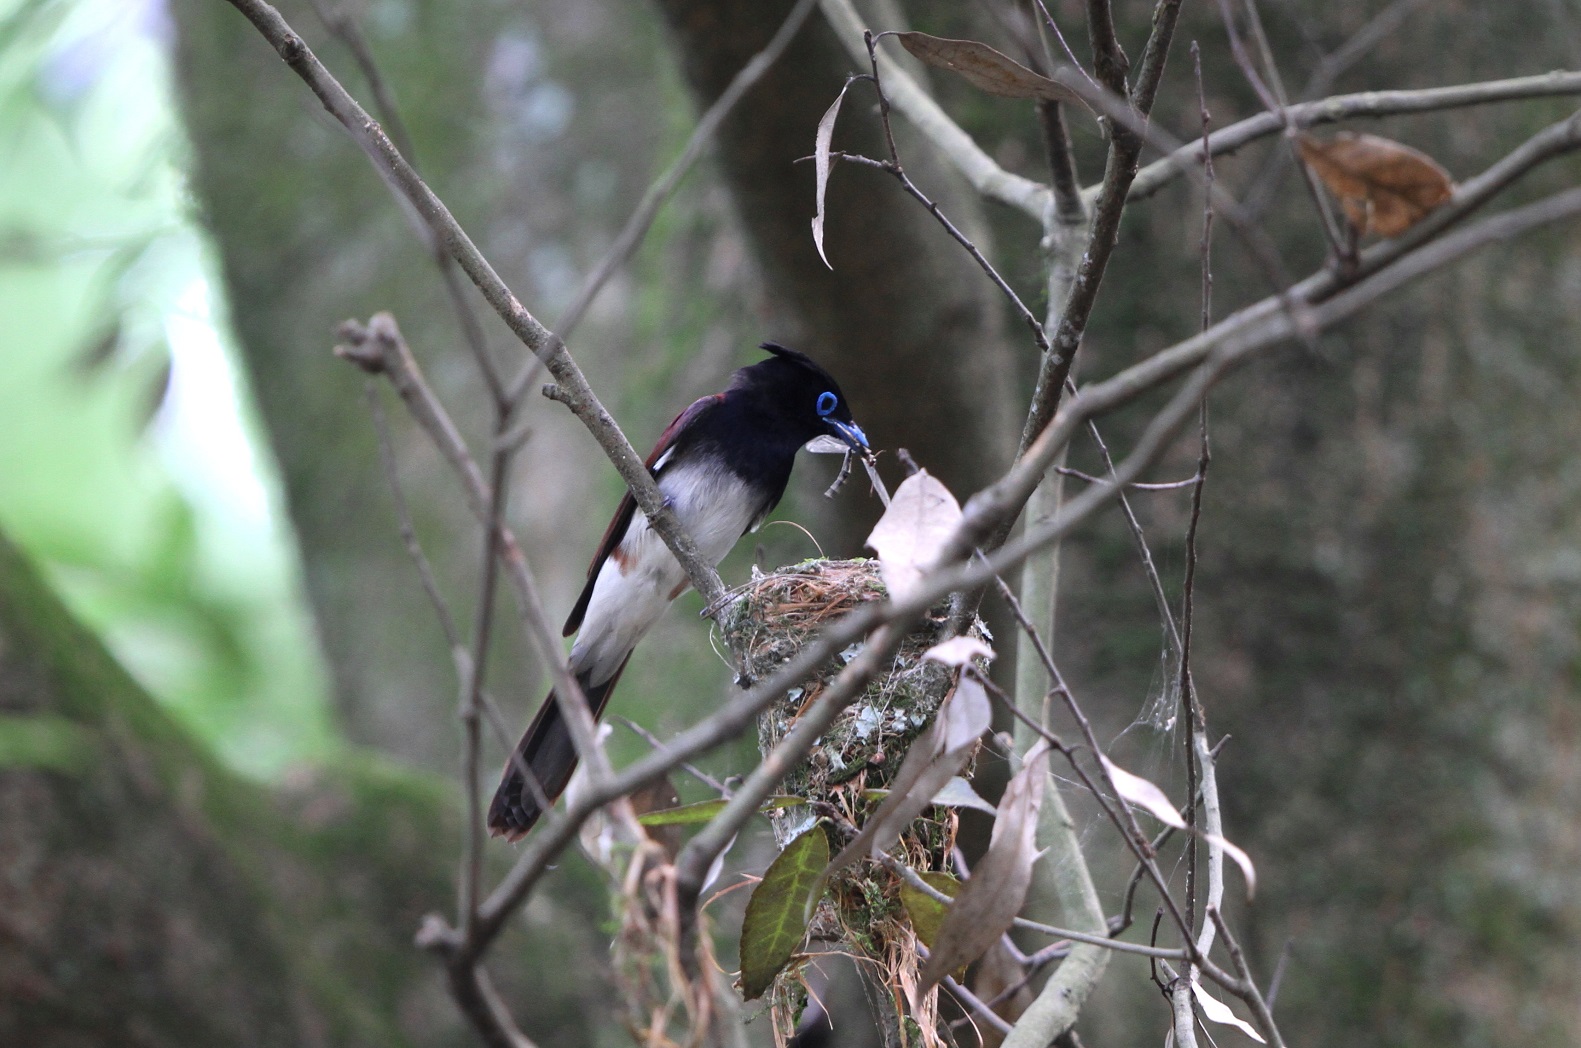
[[657, 461]]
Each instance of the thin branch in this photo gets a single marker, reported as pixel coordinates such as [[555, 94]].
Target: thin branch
[[408, 530], [914, 880], [1340, 245], [663, 188], [1124, 150], [1362, 105], [893, 166], [974, 1003], [344, 27], [380, 349], [368, 135], [1213, 353], [979, 169], [1382, 26], [691, 769]]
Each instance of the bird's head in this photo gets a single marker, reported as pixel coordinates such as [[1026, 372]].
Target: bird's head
[[805, 397]]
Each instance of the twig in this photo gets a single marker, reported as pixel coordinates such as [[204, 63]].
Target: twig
[[976, 1004], [663, 188], [1227, 343], [1155, 583], [368, 135], [343, 25], [691, 769], [1273, 98], [403, 516], [1383, 25], [1339, 108], [1137, 485], [914, 880], [893, 166], [979, 169], [380, 349]]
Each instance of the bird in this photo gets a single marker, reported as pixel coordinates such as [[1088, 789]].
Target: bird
[[722, 466]]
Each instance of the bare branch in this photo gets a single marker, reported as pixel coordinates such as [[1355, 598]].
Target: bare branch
[[979, 169], [1366, 104], [368, 135], [663, 188]]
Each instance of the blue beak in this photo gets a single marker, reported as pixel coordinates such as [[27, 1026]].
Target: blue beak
[[851, 433]]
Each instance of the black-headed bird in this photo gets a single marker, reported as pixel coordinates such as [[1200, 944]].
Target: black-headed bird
[[722, 466]]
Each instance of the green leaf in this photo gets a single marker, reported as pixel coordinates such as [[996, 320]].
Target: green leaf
[[702, 811], [776, 916], [926, 912]]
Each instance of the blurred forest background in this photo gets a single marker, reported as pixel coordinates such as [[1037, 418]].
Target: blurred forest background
[[227, 730]]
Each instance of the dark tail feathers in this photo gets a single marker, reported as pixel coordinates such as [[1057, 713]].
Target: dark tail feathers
[[548, 754]]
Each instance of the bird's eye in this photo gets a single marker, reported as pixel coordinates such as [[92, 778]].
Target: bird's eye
[[826, 403]]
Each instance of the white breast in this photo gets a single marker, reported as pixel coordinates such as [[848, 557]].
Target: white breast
[[640, 579]]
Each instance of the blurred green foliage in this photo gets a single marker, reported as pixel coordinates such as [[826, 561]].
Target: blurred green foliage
[[128, 466]]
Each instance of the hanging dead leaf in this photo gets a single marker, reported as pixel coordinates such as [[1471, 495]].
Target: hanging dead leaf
[[822, 141], [1215, 1010], [992, 896], [1241, 859], [912, 532], [1383, 186], [986, 69], [1133, 789]]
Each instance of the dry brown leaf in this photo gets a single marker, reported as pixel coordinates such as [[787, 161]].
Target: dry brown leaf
[[986, 69], [1383, 186], [992, 896]]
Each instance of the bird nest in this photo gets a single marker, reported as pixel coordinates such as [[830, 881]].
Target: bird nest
[[843, 779]]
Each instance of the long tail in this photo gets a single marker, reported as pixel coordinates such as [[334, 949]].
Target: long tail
[[547, 753]]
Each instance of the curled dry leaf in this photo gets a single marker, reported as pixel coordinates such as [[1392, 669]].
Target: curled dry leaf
[[993, 895], [1133, 789], [986, 69], [910, 535], [959, 651], [776, 917], [1383, 186], [822, 141], [1242, 860], [1217, 1011]]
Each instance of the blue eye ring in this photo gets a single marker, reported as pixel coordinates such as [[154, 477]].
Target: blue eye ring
[[826, 404]]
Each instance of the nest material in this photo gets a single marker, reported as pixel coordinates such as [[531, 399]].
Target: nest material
[[770, 619], [767, 623]]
